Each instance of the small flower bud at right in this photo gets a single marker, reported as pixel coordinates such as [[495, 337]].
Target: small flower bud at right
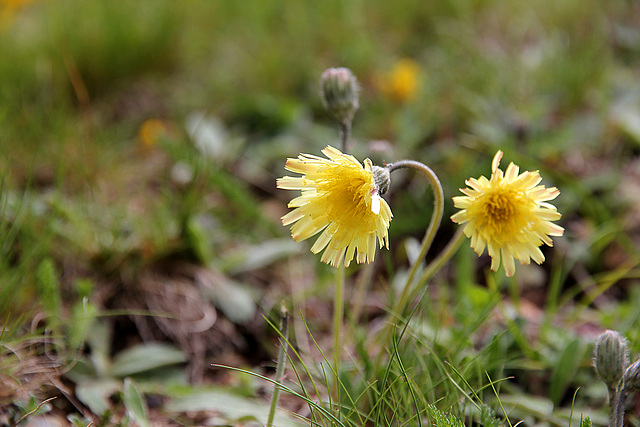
[[611, 357], [340, 93], [381, 179], [632, 377]]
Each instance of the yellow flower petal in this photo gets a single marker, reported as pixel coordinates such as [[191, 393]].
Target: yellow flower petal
[[509, 215]]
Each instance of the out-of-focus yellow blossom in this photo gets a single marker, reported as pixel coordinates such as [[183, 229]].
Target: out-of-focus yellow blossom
[[8, 8], [338, 197], [509, 214], [402, 82], [150, 131]]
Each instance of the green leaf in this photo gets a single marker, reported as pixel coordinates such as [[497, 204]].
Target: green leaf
[[135, 403], [200, 243], [231, 406], [263, 254], [95, 393], [49, 288], [83, 370], [83, 315], [145, 357], [565, 369], [99, 340]]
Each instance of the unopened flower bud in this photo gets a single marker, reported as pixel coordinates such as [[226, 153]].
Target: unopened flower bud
[[381, 179], [611, 357], [632, 377], [340, 93]]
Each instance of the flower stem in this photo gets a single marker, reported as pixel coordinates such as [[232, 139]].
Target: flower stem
[[282, 359], [338, 314], [345, 134], [617, 400], [434, 224], [409, 291], [444, 256]]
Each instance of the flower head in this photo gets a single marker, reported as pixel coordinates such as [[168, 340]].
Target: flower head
[[150, 132], [402, 82], [509, 215], [339, 197]]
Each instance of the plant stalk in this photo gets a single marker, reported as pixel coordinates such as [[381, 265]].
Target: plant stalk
[[338, 317], [281, 362], [617, 400], [436, 218], [345, 134], [434, 266]]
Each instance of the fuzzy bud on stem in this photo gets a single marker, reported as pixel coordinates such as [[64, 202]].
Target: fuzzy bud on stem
[[611, 358], [381, 178], [340, 94]]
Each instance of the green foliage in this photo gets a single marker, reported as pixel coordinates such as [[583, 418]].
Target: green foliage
[[586, 422], [135, 404], [84, 208], [441, 419], [98, 377], [112, 43], [48, 287]]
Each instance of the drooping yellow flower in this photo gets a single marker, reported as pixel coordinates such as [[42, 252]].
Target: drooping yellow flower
[[508, 214], [402, 82], [338, 197]]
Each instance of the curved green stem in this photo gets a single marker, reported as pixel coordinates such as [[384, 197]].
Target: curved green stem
[[430, 234], [409, 291]]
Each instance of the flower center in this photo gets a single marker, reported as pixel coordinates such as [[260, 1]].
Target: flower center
[[501, 213], [345, 192], [499, 207]]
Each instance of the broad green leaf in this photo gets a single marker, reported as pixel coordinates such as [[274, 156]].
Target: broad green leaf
[[565, 369], [263, 254], [232, 298], [95, 393], [82, 370], [99, 340], [231, 406], [135, 403], [145, 357]]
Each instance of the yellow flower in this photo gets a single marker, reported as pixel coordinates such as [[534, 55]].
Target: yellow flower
[[339, 196], [8, 8], [402, 82], [150, 132], [509, 215]]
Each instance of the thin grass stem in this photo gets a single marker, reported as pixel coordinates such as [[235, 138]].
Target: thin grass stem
[[281, 362]]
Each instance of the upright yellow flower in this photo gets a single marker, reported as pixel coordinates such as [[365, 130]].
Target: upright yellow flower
[[339, 196], [509, 215]]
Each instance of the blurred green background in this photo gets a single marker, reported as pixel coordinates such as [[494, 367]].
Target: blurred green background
[[141, 142]]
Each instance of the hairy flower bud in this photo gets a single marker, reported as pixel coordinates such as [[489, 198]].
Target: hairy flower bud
[[340, 93], [611, 357], [632, 377], [381, 178]]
